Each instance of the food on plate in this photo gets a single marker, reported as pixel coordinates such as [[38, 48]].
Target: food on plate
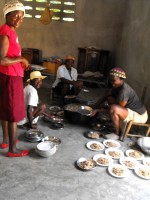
[[135, 154], [129, 163], [103, 161], [93, 135], [70, 96], [114, 154], [96, 146], [117, 171], [87, 164], [147, 163], [72, 108], [55, 108], [60, 113], [144, 172], [111, 144]]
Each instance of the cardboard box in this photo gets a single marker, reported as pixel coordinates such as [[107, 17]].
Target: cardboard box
[[51, 67]]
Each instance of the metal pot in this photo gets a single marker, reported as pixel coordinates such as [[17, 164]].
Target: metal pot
[[73, 114], [33, 135], [69, 99]]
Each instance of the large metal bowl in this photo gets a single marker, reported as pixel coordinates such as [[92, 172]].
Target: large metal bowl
[[144, 144], [74, 114]]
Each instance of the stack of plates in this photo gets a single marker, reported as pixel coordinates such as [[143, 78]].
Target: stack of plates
[[46, 149]]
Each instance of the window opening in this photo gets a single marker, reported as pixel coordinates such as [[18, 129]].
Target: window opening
[[63, 10]]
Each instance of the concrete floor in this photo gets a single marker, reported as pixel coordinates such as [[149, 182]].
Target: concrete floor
[[57, 177]]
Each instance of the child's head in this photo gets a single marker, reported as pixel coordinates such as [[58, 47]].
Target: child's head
[[36, 79]]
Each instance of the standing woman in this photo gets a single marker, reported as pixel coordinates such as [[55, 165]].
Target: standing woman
[[12, 66]]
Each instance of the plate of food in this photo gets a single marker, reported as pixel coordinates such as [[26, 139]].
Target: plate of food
[[86, 164], [103, 160], [114, 153], [146, 161], [118, 171], [111, 143], [60, 113], [70, 96], [53, 139], [95, 146], [135, 154], [55, 108], [128, 162], [93, 134], [143, 171]]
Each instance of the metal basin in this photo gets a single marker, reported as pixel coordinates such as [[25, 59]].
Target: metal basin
[[144, 144], [34, 135], [72, 114]]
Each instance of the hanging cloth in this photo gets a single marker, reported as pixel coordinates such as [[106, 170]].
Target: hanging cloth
[[47, 15]]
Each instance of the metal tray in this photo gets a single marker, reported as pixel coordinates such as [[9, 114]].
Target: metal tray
[[34, 135], [53, 139]]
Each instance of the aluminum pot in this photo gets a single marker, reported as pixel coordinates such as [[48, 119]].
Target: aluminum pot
[[74, 115], [69, 99]]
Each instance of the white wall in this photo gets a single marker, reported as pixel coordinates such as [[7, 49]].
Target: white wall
[[134, 47]]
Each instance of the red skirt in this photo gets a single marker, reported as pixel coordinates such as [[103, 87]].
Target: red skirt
[[12, 106]]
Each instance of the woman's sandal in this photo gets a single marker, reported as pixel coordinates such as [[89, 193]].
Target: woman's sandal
[[6, 145], [23, 153]]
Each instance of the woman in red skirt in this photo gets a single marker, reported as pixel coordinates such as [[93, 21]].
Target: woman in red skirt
[[12, 66]]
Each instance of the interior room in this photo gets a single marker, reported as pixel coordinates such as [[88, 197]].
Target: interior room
[[103, 34]]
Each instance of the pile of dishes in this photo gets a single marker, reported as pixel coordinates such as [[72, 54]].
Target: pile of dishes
[[33, 135], [46, 149]]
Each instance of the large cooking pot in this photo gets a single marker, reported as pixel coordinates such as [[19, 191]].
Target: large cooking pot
[[77, 114]]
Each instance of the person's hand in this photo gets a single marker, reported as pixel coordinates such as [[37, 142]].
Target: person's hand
[[73, 83], [42, 106], [25, 64], [94, 112], [51, 116], [33, 126]]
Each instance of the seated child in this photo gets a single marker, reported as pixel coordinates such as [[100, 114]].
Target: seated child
[[33, 108]]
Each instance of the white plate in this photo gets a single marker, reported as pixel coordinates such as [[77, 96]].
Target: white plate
[[45, 146], [107, 151], [125, 170], [95, 142], [143, 167], [129, 159], [85, 159], [146, 161], [110, 160], [131, 151], [117, 144]]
